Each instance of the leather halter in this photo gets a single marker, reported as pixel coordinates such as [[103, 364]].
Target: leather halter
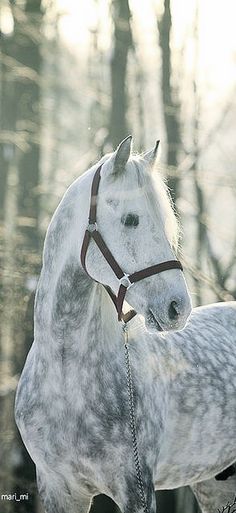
[[125, 280]]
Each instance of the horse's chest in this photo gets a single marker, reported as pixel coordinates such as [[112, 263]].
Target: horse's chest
[[96, 419], [83, 418]]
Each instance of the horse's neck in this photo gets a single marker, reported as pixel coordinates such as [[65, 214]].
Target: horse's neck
[[76, 328], [75, 313]]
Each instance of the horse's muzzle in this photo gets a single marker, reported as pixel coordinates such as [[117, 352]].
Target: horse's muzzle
[[170, 317]]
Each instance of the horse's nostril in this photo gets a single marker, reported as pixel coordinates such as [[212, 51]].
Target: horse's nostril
[[173, 310]]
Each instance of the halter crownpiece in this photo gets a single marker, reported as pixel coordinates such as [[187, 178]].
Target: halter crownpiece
[[125, 280]]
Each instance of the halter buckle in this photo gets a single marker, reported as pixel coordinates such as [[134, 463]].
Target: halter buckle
[[92, 227], [125, 281]]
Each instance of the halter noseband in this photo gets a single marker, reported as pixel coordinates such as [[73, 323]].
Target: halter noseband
[[125, 280]]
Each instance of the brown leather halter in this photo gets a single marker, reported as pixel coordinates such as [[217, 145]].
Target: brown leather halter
[[125, 280]]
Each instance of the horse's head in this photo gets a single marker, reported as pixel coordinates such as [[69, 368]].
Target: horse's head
[[137, 222]]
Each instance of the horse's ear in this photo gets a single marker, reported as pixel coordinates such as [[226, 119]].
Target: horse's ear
[[121, 155], [150, 156]]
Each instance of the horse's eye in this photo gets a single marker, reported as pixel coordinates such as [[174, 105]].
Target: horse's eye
[[130, 220]]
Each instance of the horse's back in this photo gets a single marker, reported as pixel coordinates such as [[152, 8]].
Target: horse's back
[[209, 339], [201, 398], [222, 308], [212, 320]]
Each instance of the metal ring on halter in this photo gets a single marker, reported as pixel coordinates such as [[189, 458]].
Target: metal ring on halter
[[125, 281], [92, 227]]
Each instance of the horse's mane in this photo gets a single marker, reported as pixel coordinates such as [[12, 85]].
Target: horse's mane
[[158, 198]]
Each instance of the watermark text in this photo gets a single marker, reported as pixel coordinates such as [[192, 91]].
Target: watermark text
[[14, 497]]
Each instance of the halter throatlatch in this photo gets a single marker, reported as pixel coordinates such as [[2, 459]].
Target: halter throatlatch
[[125, 280]]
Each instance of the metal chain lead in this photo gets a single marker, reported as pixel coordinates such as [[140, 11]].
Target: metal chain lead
[[132, 421]]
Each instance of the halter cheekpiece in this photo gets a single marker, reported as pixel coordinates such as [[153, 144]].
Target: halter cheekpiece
[[125, 280]]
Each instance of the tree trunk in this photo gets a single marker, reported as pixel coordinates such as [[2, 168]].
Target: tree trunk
[[20, 122], [118, 126], [170, 106], [28, 119]]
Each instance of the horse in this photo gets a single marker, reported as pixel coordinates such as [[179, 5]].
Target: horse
[[118, 401]]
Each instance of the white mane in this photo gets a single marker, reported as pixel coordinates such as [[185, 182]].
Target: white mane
[[158, 198]]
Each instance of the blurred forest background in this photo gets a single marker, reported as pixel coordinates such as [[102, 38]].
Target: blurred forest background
[[76, 76]]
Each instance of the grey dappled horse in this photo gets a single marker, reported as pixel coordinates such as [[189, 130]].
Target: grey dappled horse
[[72, 405]]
